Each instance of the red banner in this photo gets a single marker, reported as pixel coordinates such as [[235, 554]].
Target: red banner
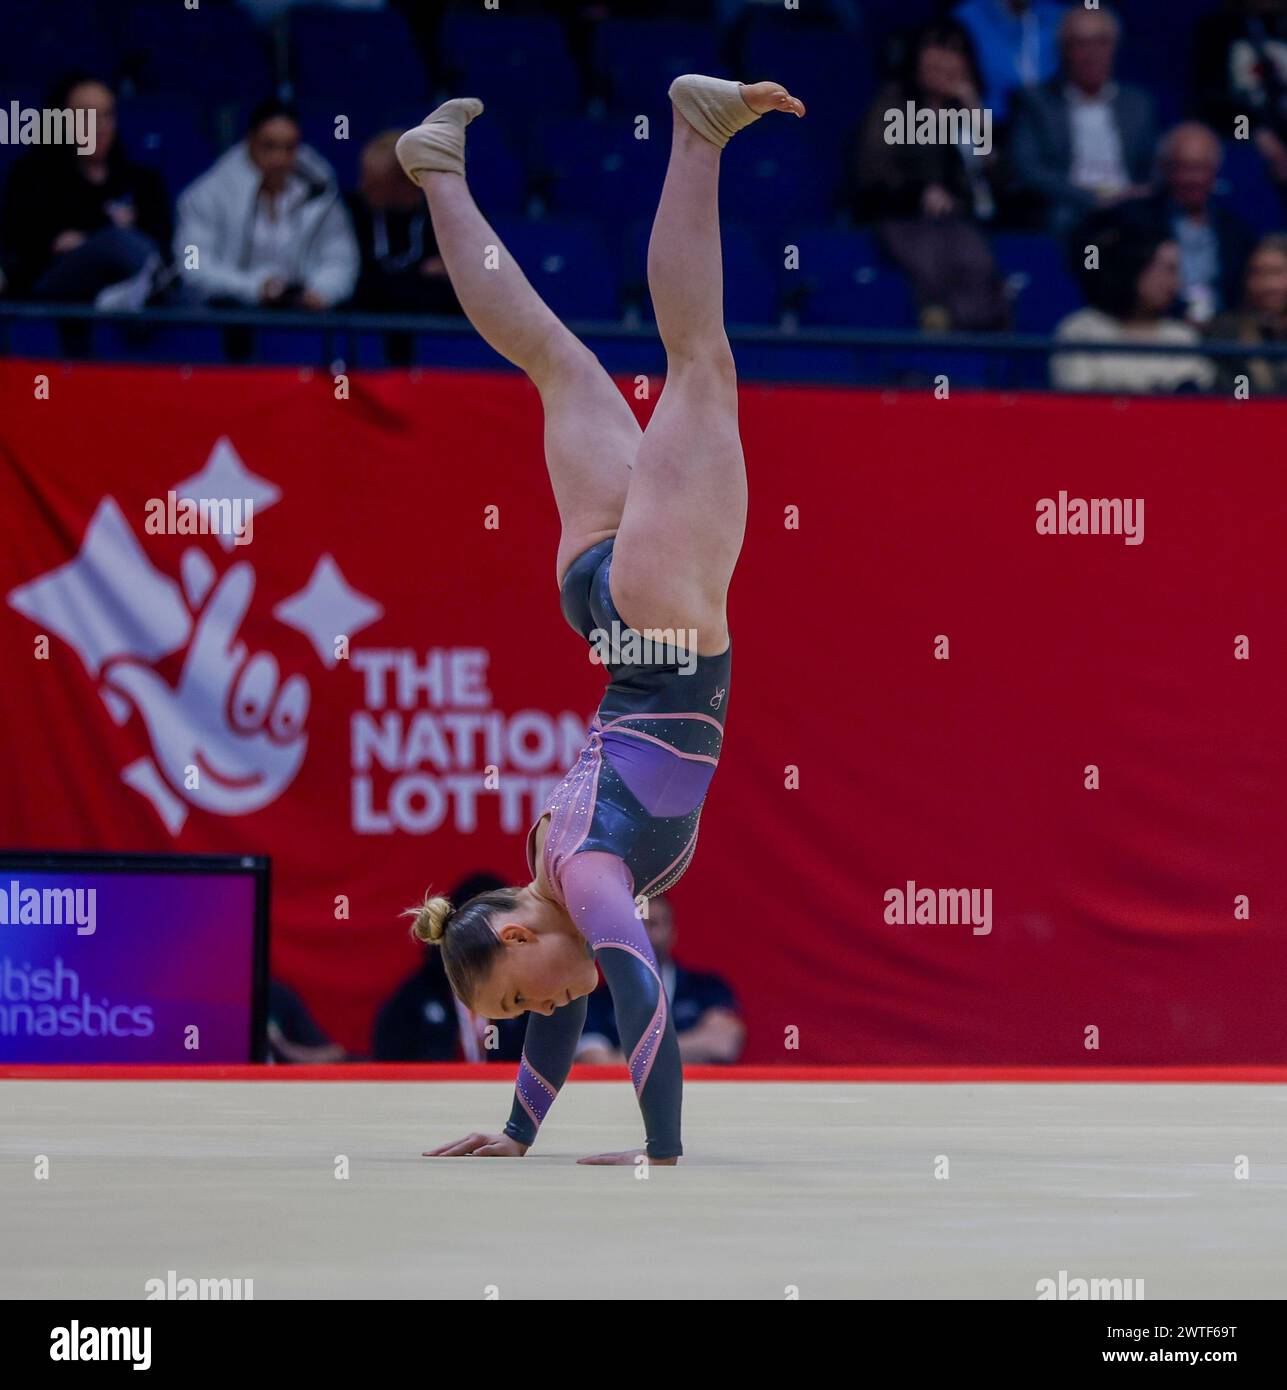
[[1005, 772]]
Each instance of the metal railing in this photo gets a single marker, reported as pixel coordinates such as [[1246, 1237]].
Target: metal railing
[[428, 340]]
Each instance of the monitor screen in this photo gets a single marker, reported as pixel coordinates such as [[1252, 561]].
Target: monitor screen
[[132, 958]]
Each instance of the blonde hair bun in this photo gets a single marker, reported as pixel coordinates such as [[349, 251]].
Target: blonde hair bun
[[430, 919]]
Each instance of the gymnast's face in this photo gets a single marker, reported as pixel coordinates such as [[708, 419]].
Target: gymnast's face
[[538, 969]]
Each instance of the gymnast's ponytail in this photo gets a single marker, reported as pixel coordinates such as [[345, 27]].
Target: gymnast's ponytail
[[464, 935]]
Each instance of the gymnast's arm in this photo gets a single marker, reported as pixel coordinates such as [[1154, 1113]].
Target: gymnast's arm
[[549, 1046], [596, 888]]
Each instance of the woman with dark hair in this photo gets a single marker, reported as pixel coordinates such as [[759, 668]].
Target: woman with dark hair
[[265, 223], [929, 198], [1131, 284], [1261, 318], [77, 224]]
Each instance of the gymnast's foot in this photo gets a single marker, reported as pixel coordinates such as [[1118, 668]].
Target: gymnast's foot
[[437, 144], [717, 109]]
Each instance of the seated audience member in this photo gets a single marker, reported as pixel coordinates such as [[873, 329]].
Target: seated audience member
[[1214, 241], [292, 1034], [83, 228], [266, 223], [929, 199], [423, 1021], [1017, 42], [1261, 319], [703, 1006], [1241, 68], [1131, 294], [1081, 140], [401, 270]]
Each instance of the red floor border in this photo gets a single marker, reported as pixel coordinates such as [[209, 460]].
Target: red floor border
[[504, 1072]]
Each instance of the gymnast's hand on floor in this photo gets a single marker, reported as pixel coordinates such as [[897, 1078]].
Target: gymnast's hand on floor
[[629, 1156], [480, 1146]]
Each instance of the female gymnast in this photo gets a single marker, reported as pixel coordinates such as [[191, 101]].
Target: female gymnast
[[652, 524]]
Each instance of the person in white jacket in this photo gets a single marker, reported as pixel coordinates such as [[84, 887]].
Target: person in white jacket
[[265, 224]]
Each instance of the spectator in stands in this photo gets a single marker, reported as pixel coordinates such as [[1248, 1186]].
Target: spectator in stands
[[292, 1034], [401, 270], [265, 223], [1214, 241], [703, 1006], [422, 1021], [1261, 319], [1131, 292], [931, 198], [1242, 74], [1081, 140], [83, 228], [1017, 42]]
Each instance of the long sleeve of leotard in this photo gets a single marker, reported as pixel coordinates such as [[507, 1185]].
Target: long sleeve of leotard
[[596, 888], [549, 1046]]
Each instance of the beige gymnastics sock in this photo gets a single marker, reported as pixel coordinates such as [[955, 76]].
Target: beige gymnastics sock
[[712, 106], [437, 144]]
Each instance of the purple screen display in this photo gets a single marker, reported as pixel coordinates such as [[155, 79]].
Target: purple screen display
[[126, 967]]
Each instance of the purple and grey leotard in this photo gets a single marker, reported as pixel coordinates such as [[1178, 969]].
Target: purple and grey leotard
[[623, 827]]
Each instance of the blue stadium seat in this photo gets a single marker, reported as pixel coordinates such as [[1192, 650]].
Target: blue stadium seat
[[496, 174], [126, 342], [752, 292], [778, 168], [795, 362], [290, 346], [832, 73], [516, 63], [30, 338], [641, 57], [884, 18], [42, 42], [567, 262], [202, 52], [1247, 188], [631, 357], [468, 353], [343, 56], [843, 282], [1039, 284], [168, 134], [599, 168], [1166, 32]]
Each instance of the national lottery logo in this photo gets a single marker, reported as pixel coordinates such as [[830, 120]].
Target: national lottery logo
[[228, 735]]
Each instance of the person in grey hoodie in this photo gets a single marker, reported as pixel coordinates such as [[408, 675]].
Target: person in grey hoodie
[[265, 224]]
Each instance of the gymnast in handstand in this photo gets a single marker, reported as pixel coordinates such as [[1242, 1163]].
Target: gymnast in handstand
[[652, 524]]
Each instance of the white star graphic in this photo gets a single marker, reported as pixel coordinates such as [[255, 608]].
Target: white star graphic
[[327, 608], [110, 600], [225, 478]]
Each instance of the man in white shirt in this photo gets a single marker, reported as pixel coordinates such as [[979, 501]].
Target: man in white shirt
[[1083, 141]]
